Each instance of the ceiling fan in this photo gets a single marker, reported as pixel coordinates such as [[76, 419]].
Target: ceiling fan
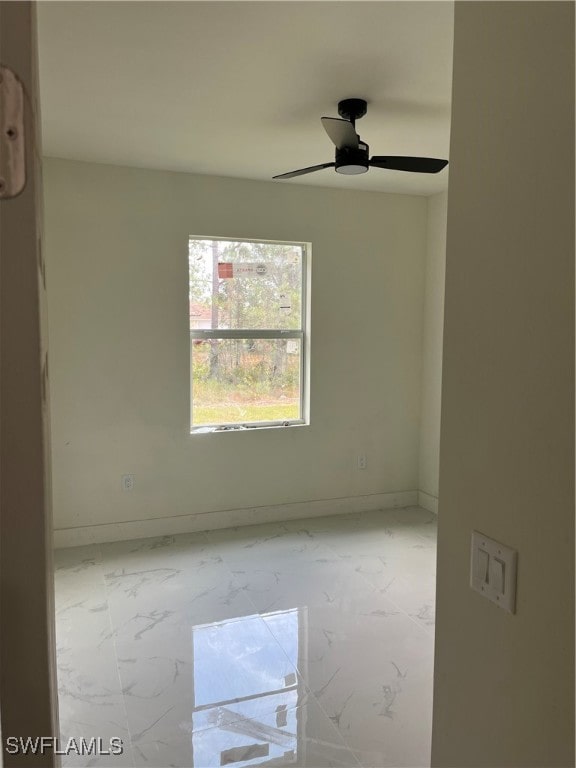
[[352, 152]]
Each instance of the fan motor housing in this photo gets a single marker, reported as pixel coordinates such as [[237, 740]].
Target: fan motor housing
[[352, 109], [352, 161]]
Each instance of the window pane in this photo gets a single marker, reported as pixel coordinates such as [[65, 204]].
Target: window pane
[[240, 285], [235, 381]]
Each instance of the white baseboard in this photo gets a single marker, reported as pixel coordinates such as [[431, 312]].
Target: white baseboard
[[427, 501], [208, 521]]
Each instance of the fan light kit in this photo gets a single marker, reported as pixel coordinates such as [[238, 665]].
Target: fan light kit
[[352, 152]]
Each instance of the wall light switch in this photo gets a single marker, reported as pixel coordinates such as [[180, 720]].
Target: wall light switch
[[496, 580], [493, 571], [482, 566]]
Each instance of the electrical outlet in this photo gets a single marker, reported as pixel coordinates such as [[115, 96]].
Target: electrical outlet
[[361, 461], [127, 482]]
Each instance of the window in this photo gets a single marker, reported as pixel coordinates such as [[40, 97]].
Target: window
[[247, 333]]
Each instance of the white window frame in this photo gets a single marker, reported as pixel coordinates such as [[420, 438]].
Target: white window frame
[[303, 335]]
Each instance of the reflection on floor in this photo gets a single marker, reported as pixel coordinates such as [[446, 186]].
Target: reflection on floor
[[307, 643]]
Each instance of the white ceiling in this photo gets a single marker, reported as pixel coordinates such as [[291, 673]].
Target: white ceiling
[[238, 88]]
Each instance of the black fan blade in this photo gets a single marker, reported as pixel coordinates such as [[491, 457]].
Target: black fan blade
[[342, 133], [302, 171], [415, 164]]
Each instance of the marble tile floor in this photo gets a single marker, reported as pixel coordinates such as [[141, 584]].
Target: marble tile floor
[[306, 643]]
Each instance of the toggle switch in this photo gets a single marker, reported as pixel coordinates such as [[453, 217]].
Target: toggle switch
[[497, 568], [482, 566]]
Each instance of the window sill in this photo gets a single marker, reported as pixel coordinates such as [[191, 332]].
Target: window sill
[[227, 429]]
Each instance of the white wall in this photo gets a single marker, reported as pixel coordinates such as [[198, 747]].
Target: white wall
[[433, 328], [504, 684], [116, 249]]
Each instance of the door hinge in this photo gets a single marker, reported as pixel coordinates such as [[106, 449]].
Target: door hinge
[[12, 147]]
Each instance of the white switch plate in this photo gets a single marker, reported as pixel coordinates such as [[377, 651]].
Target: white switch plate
[[493, 571]]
